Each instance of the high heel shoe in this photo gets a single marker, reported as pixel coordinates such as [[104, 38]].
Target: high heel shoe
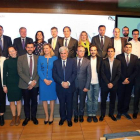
[[50, 122], [45, 122]]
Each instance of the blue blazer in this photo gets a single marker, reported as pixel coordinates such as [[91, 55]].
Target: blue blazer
[[70, 75]]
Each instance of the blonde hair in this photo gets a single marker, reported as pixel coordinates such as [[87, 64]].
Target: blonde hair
[[80, 40], [42, 51]]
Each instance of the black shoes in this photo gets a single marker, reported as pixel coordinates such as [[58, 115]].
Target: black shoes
[[81, 119], [112, 117], [45, 122], [89, 119], [118, 117], [61, 122], [135, 115], [75, 119], [50, 122], [101, 118], [35, 121], [95, 119], [2, 120], [25, 122], [127, 116], [69, 123]]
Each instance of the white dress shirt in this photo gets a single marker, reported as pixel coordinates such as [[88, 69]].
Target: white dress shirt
[[94, 78], [68, 40], [111, 66], [128, 56], [80, 61], [22, 40], [135, 47], [118, 46]]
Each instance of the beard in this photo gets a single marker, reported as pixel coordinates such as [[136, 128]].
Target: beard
[[125, 34]]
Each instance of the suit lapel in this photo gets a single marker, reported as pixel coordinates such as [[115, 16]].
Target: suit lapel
[[131, 58], [122, 43], [97, 64], [27, 65], [70, 43], [4, 42], [108, 66], [123, 55], [35, 62], [99, 43]]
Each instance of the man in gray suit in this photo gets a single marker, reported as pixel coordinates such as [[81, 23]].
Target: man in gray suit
[[82, 83], [28, 82], [101, 41]]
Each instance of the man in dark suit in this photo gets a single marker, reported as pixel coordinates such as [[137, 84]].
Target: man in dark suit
[[64, 74], [21, 42], [136, 90], [56, 41], [126, 81], [110, 73], [69, 42], [82, 83], [5, 42], [101, 41], [93, 93], [118, 42], [125, 32], [28, 82]]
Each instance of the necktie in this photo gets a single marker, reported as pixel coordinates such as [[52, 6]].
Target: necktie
[[54, 43], [102, 44], [127, 60], [64, 66], [66, 42], [1, 44], [79, 64], [30, 66], [23, 43]]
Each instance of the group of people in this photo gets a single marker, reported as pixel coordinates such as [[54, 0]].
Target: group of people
[[69, 70]]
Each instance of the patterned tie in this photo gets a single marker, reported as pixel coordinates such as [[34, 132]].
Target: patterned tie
[[23, 44], [31, 66], [79, 64], [64, 66], [1, 44], [102, 44], [127, 60], [66, 42]]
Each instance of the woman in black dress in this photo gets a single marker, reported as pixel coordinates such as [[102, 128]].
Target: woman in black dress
[[10, 85], [39, 42], [2, 94]]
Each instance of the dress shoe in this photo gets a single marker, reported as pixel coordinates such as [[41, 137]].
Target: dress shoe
[[101, 118], [13, 121], [69, 123], [17, 120], [95, 119], [2, 120], [89, 119], [45, 122], [75, 119], [25, 122], [112, 117], [118, 117], [35, 121], [135, 115], [127, 116], [50, 122], [61, 122], [81, 119]]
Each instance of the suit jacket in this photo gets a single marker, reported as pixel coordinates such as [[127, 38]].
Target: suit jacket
[[70, 75], [107, 43], [130, 70], [18, 45], [6, 44], [123, 42], [2, 59], [98, 67], [72, 46], [137, 79], [59, 43], [23, 71], [106, 74], [129, 39], [83, 77]]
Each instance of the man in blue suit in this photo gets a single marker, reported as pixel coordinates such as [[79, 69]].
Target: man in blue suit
[[64, 74]]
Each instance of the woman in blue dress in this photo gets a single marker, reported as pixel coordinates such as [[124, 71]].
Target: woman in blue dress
[[47, 87]]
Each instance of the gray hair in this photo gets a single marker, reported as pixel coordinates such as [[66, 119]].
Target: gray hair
[[63, 48]]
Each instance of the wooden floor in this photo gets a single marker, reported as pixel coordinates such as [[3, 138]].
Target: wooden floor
[[79, 131]]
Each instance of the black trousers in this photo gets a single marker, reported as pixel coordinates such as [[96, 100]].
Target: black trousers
[[65, 105], [136, 98], [104, 94], [30, 102], [124, 97], [2, 100]]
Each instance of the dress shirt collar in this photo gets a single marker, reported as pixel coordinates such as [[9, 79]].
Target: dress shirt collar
[[101, 36], [28, 55], [55, 38], [80, 58], [1, 37], [67, 38], [127, 54], [23, 38], [135, 41], [110, 60]]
